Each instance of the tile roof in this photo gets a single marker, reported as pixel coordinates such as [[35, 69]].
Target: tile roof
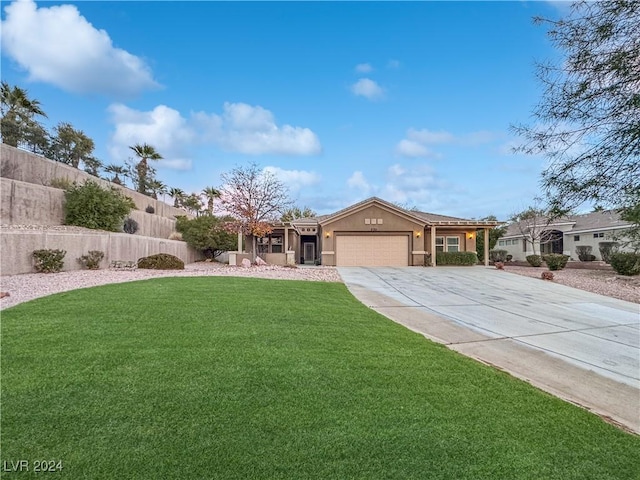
[[585, 222]]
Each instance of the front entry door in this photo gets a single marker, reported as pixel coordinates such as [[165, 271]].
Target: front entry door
[[309, 252]]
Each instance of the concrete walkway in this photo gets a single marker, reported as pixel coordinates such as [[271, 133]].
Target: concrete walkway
[[582, 347]]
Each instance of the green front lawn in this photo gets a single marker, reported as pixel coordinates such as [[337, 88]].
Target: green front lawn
[[230, 378]]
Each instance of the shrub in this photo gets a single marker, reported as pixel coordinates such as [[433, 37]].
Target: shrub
[[62, 183], [48, 260], [626, 263], [161, 261], [547, 275], [207, 234], [150, 209], [92, 206], [175, 236], [92, 260], [534, 260], [556, 261], [584, 253], [606, 249], [509, 257], [130, 226], [456, 258], [498, 255]]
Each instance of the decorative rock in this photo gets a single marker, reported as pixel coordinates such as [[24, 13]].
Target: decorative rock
[[547, 275], [246, 263], [260, 262], [4, 294], [499, 265]]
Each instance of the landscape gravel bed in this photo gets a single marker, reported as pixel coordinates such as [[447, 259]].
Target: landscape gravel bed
[[25, 287], [603, 282]]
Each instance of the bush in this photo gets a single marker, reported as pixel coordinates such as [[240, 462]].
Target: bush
[[534, 260], [175, 236], [92, 260], [606, 249], [63, 183], [626, 263], [92, 206], [456, 258], [555, 261], [584, 253], [207, 234], [161, 261], [498, 255], [130, 226], [48, 260], [509, 257], [150, 209]]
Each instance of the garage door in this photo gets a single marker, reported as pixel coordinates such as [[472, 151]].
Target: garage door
[[372, 251]]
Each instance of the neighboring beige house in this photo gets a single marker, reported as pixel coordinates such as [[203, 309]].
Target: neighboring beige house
[[369, 233], [565, 234]]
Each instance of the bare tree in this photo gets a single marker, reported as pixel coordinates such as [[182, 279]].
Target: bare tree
[[255, 198], [533, 224]]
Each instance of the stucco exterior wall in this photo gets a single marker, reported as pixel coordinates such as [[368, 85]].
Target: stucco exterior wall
[[17, 248]]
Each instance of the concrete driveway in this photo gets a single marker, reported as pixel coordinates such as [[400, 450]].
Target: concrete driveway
[[577, 345]]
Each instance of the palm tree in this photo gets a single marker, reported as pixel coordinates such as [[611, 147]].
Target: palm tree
[[157, 188], [211, 194], [116, 170], [144, 152], [178, 196], [18, 111]]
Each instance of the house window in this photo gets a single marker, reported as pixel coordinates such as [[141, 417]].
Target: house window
[[524, 244], [453, 244], [439, 244], [598, 235], [276, 244], [576, 238], [501, 243], [263, 245]]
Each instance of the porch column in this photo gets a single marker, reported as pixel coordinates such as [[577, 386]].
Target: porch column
[[286, 239], [240, 241], [486, 247], [433, 245]]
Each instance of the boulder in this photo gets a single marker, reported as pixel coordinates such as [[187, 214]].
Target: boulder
[[4, 294], [260, 262], [246, 263]]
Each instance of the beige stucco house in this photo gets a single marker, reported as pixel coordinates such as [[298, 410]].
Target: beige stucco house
[[369, 233]]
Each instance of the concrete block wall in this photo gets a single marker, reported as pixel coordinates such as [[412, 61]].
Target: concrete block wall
[[27, 167], [17, 247]]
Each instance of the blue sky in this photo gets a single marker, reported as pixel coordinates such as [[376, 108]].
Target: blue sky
[[411, 102]]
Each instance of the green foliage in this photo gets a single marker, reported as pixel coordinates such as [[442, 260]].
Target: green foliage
[[207, 234], [606, 249], [150, 209], [296, 212], [92, 206], [18, 112], [48, 260], [62, 183], [626, 263], [494, 235], [161, 261], [92, 260], [584, 253], [456, 258], [555, 261], [130, 226], [534, 260], [71, 146], [498, 255]]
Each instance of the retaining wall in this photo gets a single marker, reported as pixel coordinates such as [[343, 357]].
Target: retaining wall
[[17, 246], [27, 167]]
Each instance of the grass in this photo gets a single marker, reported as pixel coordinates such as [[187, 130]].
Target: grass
[[244, 378]]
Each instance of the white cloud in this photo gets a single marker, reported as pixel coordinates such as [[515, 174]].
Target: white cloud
[[393, 64], [252, 130], [163, 128], [366, 87], [294, 179], [57, 45], [429, 137], [364, 68], [357, 181], [412, 149]]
